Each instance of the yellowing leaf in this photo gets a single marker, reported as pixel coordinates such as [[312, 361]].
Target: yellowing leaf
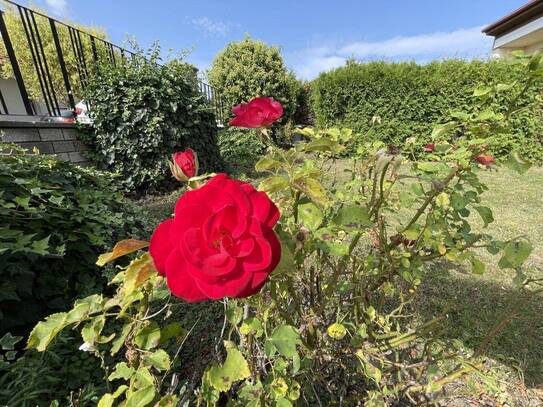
[[336, 331], [137, 272], [235, 368], [443, 200], [273, 184], [141, 398], [122, 248]]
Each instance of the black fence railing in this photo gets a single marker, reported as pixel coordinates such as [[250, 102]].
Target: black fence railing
[[51, 62]]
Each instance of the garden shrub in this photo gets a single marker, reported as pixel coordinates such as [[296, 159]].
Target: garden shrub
[[250, 68], [304, 114], [143, 112], [409, 98], [55, 217]]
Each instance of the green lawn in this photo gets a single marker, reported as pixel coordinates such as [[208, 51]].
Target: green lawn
[[473, 303]]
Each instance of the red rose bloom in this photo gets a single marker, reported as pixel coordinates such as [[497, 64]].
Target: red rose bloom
[[220, 242], [259, 112], [185, 164], [485, 159], [429, 148]]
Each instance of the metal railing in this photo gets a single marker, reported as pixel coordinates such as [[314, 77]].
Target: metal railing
[[51, 63]]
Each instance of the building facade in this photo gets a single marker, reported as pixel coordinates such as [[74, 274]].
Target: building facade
[[520, 30]]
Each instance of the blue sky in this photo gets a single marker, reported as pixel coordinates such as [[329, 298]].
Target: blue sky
[[314, 35]]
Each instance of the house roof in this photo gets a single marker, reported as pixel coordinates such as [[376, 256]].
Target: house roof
[[529, 12]]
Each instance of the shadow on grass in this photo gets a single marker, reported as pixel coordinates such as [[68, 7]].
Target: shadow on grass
[[474, 305]]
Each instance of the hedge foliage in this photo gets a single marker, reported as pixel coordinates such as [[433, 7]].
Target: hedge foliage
[[55, 219], [143, 112], [240, 149], [249, 69], [411, 98]]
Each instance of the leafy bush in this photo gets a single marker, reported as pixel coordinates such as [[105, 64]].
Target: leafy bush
[[240, 149], [304, 114], [63, 374], [55, 217], [143, 112], [249, 69], [331, 324], [409, 98]]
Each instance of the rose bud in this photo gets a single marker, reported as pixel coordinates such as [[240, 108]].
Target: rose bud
[[486, 160], [259, 112], [429, 148], [184, 165]]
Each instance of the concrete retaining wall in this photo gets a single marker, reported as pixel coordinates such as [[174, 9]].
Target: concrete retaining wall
[[49, 138]]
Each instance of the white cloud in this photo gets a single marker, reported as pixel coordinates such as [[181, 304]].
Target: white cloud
[[216, 28], [462, 43], [58, 7]]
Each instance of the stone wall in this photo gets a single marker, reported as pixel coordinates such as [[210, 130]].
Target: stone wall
[[49, 138]]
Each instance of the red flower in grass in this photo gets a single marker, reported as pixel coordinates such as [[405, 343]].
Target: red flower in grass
[[485, 160], [184, 165], [429, 148], [259, 112], [220, 242]]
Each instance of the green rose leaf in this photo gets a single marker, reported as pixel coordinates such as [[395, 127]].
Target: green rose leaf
[[310, 216], [486, 214], [141, 398], [353, 215], [173, 330], [122, 371], [273, 184], [314, 190], [284, 339], [159, 359], [322, 144], [516, 163], [252, 326], [267, 163], [44, 332], [515, 253], [148, 337], [92, 329], [478, 267]]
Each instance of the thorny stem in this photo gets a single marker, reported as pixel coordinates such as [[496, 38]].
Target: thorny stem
[[429, 199]]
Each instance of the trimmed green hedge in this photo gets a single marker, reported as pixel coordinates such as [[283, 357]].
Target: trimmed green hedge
[[411, 98], [143, 112], [240, 149]]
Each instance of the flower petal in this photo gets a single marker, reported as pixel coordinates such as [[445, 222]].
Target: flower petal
[[179, 280], [264, 209], [161, 245], [226, 287]]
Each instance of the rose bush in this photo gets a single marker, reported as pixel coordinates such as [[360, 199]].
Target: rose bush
[[220, 242], [331, 324]]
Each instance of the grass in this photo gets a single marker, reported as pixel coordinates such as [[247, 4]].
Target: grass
[[473, 303]]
